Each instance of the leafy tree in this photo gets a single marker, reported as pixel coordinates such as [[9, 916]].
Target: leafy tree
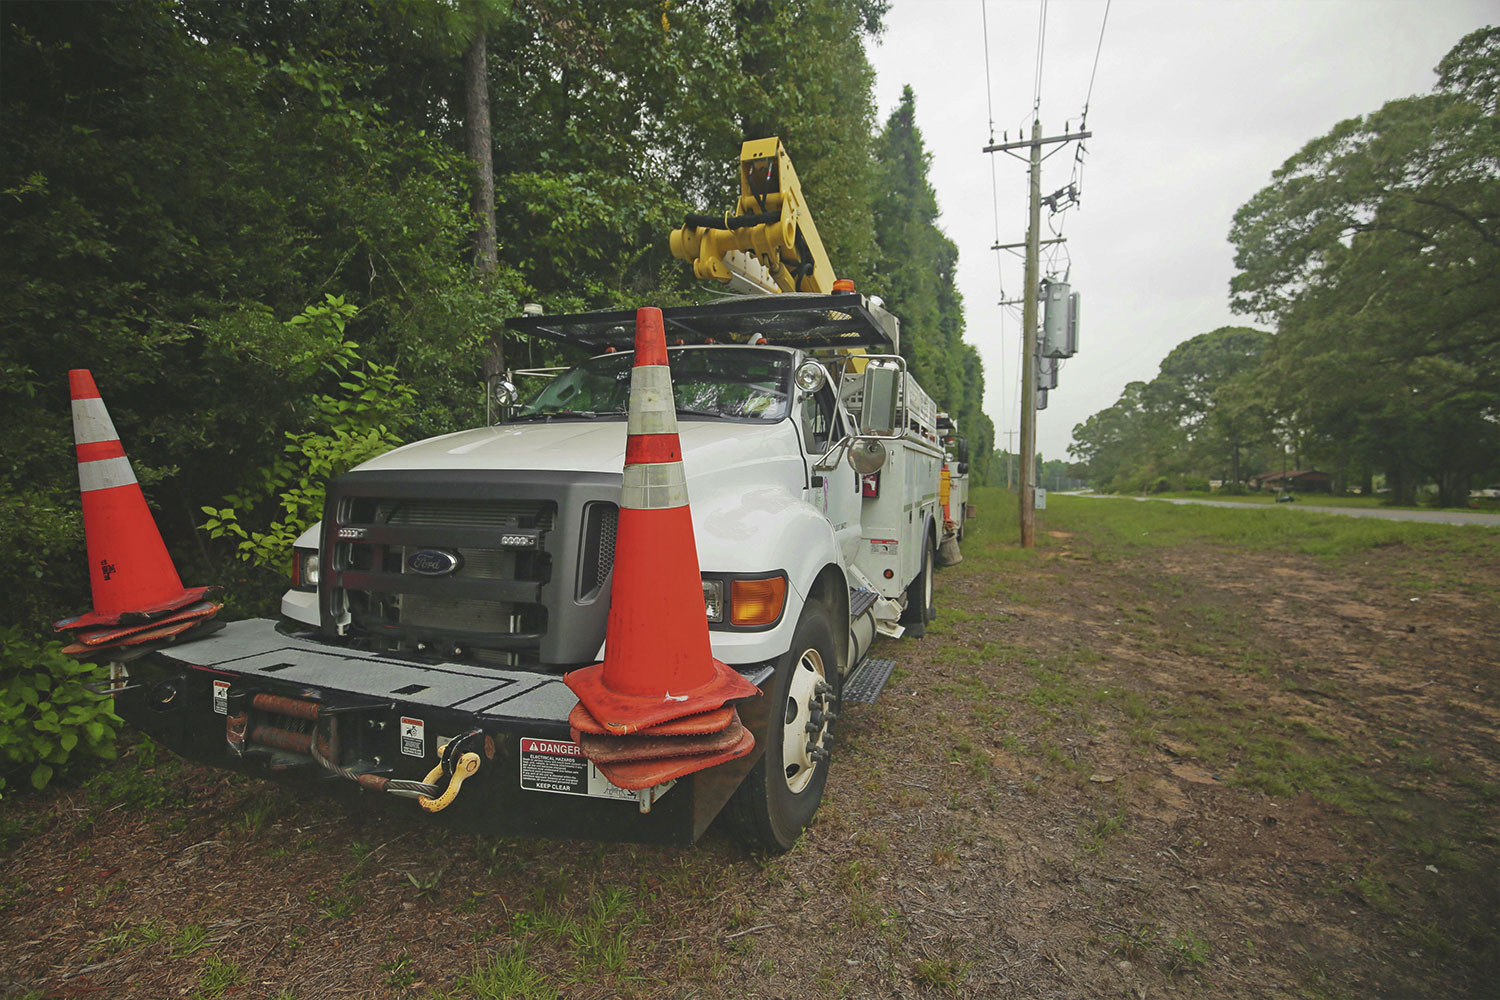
[[1206, 381], [1376, 249]]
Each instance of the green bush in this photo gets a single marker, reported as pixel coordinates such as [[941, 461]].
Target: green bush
[[365, 420], [48, 716]]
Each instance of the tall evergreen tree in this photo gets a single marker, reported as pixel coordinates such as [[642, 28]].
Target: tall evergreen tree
[[916, 274]]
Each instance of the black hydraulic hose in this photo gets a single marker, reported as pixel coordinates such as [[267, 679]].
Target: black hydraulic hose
[[696, 220]]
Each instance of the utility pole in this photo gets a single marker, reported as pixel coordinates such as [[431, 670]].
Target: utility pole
[[1028, 321], [1010, 455], [1028, 356]]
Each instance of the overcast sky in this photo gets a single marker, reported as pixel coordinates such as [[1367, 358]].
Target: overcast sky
[[1193, 106]]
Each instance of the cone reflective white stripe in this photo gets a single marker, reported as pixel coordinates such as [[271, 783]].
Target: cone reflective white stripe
[[91, 422], [658, 486], [652, 409], [105, 474]]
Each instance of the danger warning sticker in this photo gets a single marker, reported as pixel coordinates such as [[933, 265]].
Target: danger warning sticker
[[413, 737], [560, 766], [221, 697]]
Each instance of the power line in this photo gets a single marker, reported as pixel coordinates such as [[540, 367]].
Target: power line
[[989, 89], [1088, 98], [989, 98], [1041, 45], [1097, 49]]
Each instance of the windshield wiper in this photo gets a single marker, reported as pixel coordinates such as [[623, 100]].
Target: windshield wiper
[[562, 415], [699, 413]]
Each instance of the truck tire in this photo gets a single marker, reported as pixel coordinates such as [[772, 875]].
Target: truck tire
[[778, 798], [919, 595]]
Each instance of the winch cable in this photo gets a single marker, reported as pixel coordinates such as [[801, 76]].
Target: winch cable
[[376, 782]]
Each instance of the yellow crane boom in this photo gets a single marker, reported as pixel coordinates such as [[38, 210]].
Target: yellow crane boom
[[771, 227]]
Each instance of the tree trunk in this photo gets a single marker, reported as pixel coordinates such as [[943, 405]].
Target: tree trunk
[[1453, 489], [1403, 485], [478, 142]]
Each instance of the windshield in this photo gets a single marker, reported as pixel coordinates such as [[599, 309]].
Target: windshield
[[738, 383]]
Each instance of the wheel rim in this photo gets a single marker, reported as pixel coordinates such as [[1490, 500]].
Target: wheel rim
[[805, 719]]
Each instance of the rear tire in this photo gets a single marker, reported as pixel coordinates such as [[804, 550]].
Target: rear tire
[[780, 795], [919, 595]]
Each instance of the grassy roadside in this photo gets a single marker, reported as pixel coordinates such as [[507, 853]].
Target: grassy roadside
[[1136, 526], [1481, 505], [1411, 788]]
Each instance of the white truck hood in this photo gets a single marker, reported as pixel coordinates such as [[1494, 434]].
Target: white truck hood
[[710, 448]]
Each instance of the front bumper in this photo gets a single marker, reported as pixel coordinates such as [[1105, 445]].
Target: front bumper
[[392, 716]]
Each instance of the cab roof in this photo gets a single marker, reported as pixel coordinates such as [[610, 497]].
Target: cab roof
[[802, 320]]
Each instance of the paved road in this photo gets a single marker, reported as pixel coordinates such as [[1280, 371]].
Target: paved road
[[1385, 514]]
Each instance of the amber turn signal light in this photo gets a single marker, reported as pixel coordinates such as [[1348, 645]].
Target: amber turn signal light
[[756, 602]]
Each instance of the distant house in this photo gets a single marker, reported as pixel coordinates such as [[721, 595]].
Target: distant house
[[1298, 481]]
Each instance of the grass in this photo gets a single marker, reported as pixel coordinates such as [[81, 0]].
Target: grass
[[399, 973], [945, 974], [1430, 808], [1129, 526], [600, 939], [145, 779], [1478, 504], [125, 935], [189, 939], [508, 975], [217, 977]]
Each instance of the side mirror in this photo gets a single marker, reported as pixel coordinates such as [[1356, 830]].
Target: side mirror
[[879, 412], [866, 456], [963, 468]]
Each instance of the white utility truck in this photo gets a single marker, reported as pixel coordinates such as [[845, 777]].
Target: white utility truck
[[954, 491], [453, 581]]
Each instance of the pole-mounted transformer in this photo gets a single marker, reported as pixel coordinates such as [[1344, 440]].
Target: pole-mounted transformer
[[1046, 372], [1060, 320]]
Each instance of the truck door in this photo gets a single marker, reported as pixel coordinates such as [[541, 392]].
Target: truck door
[[836, 491]]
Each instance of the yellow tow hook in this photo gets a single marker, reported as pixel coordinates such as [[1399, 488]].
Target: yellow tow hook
[[466, 767]]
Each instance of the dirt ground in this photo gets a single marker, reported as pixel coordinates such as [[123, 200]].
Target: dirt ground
[[1185, 771]]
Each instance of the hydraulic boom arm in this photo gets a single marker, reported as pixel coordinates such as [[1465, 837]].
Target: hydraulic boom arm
[[771, 243]]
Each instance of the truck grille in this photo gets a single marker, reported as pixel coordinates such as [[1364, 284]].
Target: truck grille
[[462, 513], [504, 579], [419, 610]]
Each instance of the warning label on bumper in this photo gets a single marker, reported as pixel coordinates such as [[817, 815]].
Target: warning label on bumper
[[413, 737], [560, 766]]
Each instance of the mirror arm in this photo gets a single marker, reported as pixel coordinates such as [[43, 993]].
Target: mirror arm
[[831, 457]]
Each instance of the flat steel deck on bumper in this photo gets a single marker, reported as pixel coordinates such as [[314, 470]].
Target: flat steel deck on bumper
[[254, 699]]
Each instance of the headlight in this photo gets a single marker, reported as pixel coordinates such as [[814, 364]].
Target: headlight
[[305, 568], [713, 598]]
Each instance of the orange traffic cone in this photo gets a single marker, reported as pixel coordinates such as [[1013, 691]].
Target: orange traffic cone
[[132, 575], [658, 665]]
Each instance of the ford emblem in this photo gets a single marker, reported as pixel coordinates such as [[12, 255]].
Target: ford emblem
[[433, 562]]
